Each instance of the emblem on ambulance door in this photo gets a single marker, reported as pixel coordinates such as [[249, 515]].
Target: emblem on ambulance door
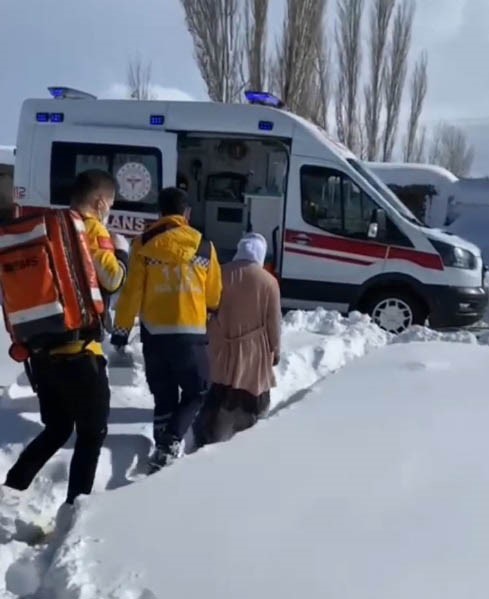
[[134, 181]]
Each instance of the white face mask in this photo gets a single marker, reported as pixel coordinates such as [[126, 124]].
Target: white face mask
[[103, 215]]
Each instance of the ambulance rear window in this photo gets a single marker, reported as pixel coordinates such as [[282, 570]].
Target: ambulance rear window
[[138, 171]]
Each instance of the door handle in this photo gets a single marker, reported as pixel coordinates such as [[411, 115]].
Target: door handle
[[302, 239]]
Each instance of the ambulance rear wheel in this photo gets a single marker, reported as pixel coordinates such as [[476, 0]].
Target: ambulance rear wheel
[[396, 310]]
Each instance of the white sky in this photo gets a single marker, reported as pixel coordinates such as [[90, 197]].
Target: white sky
[[87, 43]]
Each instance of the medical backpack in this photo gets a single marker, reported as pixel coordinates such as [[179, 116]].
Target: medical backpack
[[48, 283]]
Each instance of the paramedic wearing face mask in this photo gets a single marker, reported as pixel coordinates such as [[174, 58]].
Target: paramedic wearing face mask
[[173, 281], [244, 343], [71, 380]]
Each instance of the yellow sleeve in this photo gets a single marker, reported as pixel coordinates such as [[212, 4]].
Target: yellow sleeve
[[213, 285], [130, 298], [110, 270]]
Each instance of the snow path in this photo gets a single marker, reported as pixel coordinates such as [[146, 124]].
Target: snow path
[[316, 344]]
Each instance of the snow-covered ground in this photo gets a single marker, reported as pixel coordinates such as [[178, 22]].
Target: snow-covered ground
[[372, 483]]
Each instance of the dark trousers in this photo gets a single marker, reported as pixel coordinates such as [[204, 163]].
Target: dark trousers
[[73, 393], [174, 364], [228, 411]]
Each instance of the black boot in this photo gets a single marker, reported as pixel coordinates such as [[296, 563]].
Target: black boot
[[165, 453]]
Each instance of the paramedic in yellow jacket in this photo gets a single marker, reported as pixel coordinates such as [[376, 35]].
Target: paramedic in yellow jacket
[[71, 380], [173, 282]]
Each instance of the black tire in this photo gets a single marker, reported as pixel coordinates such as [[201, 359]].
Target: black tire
[[405, 310]]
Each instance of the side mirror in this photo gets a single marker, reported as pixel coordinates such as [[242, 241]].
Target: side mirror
[[378, 224]]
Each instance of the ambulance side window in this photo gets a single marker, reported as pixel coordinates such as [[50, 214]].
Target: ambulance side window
[[333, 202], [137, 170]]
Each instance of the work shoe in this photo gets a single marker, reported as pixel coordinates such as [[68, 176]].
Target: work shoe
[[164, 455]]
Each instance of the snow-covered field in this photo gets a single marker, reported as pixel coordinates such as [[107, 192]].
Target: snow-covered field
[[369, 484]]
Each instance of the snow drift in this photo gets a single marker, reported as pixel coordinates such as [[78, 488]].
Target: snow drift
[[376, 486], [314, 345]]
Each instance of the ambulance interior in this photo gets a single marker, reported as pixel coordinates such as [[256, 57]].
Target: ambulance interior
[[235, 186]]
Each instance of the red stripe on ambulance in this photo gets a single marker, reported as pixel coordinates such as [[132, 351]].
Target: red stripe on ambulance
[[358, 248]]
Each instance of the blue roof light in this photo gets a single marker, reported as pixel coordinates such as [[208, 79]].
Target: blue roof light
[[265, 125], [57, 117], [263, 98], [42, 117], [57, 92], [157, 119]]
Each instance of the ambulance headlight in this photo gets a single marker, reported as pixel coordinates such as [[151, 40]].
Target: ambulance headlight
[[455, 257], [463, 259]]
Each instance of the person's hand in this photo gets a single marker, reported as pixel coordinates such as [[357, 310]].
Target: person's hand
[[276, 359]]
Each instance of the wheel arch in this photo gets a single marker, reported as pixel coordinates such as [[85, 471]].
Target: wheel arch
[[391, 281]]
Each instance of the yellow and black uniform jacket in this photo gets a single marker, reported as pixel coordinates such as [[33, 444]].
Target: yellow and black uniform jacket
[[110, 273], [173, 281]]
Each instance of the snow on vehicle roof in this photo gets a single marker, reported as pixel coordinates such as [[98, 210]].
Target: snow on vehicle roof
[[404, 173], [7, 155]]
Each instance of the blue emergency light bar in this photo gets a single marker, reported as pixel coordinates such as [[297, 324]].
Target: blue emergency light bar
[[265, 125], [68, 93], [157, 120], [263, 98], [50, 117], [57, 117]]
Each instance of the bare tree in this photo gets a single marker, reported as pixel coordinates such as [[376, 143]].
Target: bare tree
[[321, 82], [395, 74], [419, 148], [419, 87], [450, 148], [296, 61], [216, 30], [380, 17], [139, 79], [349, 58], [256, 42]]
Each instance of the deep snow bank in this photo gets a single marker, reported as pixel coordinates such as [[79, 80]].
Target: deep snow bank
[[375, 487], [314, 345]]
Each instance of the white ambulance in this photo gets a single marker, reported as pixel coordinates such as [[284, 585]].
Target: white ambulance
[[337, 236]]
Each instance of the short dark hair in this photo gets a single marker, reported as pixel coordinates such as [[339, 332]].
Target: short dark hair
[[172, 200], [89, 181]]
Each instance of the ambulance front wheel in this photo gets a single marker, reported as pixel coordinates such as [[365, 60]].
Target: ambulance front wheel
[[396, 310]]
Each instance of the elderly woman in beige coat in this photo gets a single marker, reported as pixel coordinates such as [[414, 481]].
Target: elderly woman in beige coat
[[244, 343]]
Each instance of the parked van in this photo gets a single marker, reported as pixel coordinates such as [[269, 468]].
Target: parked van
[[338, 237], [429, 187], [467, 197]]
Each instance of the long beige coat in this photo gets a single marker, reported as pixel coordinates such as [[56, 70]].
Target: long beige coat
[[244, 337]]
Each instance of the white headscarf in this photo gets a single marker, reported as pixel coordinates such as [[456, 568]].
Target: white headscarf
[[252, 248]]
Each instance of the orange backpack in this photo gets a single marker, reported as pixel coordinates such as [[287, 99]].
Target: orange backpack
[[49, 288]]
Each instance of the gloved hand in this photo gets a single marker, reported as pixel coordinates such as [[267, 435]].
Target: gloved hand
[[276, 359], [119, 338], [121, 246]]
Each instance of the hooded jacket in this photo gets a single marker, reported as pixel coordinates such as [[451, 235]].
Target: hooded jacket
[[174, 279]]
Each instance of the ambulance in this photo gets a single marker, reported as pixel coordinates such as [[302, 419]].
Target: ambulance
[[337, 236]]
